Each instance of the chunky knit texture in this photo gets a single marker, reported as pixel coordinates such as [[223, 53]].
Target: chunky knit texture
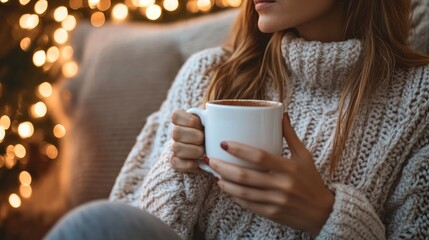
[[381, 184]]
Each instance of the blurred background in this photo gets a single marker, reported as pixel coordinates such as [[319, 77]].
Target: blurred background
[[36, 53]]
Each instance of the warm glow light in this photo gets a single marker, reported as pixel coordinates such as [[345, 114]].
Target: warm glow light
[[67, 52], [171, 5], [10, 160], [1, 161], [41, 6], [153, 12], [98, 19], [25, 191], [5, 122], [45, 89], [52, 54], [24, 2], [119, 12], [20, 151], [4, 1], [144, 3], [59, 131], [70, 69], [25, 178], [51, 152], [2, 133], [61, 35], [69, 23], [23, 21], [192, 6], [234, 3], [39, 58], [39, 110], [25, 129], [14, 200], [204, 5], [60, 13], [25, 43]]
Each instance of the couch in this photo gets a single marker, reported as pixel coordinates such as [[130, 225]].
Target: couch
[[125, 72]]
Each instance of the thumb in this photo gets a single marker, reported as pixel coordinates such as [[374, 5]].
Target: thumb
[[295, 145]]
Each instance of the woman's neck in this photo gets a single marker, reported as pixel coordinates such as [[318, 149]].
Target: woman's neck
[[329, 27]]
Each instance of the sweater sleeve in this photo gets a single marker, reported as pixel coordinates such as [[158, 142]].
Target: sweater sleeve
[[406, 213], [186, 91]]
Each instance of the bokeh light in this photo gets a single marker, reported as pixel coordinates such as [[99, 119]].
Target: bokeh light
[[204, 5], [25, 43], [5, 122], [38, 110], [60, 13], [41, 6], [24, 2], [59, 131], [2, 133], [119, 12], [25, 178], [69, 23], [51, 151], [39, 58], [98, 19], [61, 36], [171, 5], [25, 129], [67, 52], [104, 5], [52, 54], [45, 89], [70, 69], [25, 191], [153, 12], [20, 151], [14, 200]]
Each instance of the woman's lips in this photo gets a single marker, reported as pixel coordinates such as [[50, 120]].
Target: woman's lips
[[263, 4]]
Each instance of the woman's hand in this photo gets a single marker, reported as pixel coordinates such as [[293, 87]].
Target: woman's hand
[[291, 192], [188, 137]]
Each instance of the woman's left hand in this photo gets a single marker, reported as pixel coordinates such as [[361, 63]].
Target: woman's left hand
[[291, 192]]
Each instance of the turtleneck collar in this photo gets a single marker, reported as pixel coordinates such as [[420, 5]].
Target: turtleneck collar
[[317, 64]]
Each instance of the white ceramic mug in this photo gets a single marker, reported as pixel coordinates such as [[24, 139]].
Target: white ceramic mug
[[256, 123]]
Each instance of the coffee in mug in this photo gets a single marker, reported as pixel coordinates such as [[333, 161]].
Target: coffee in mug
[[257, 123]]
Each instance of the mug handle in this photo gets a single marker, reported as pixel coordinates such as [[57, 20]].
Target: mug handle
[[201, 113]]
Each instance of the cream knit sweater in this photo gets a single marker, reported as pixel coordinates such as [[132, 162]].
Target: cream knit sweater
[[381, 185]]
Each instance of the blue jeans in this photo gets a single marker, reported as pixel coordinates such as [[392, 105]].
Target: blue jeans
[[109, 220]]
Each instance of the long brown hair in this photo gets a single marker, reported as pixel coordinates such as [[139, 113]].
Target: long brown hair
[[383, 27]]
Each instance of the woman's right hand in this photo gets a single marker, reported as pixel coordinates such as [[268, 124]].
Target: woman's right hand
[[188, 141]]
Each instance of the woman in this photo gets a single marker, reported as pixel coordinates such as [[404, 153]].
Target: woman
[[356, 153]]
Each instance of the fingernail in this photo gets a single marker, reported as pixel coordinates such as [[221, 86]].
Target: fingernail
[[206, 160], [224, 146]]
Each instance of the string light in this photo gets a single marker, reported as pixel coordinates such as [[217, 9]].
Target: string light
[[52, 54], [39, 58], [25, 191], [119, 12], [41, 6], [39, 110], [97, 19], [60, 13], [153, 12], [14, 200], [5, 122], [70, 69], [25, 178], [171, 5], [20, 151], [25, 129], [45, 89], [59, 131], [69, 23]]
